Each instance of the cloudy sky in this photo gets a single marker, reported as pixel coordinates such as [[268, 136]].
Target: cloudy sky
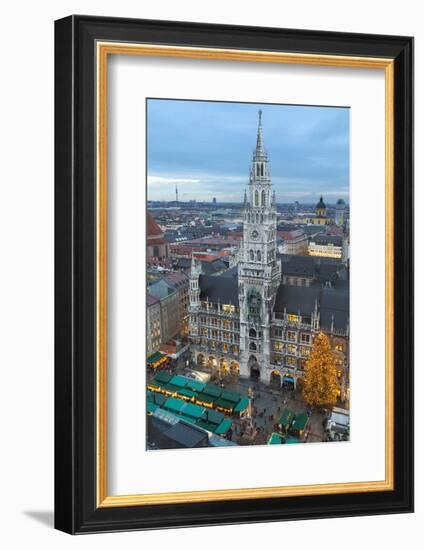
[[206, 148]]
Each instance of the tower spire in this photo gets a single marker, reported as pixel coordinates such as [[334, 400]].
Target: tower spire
[[260, 138], [176, 193]]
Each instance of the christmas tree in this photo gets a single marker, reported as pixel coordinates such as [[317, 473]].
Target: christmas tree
[[320, 385]]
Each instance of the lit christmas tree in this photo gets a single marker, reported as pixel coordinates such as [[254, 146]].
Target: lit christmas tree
[[320, 385]]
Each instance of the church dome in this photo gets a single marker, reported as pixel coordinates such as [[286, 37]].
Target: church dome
[[320, 204]]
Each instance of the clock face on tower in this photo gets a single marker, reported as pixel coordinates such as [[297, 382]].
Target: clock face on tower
[[254, 234]]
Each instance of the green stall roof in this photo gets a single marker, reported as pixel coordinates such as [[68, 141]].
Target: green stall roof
[[155, 357], [170, 387], [212, 416], [174, 405], [178, 380], [159, 399], [213, 390], [205, 398], [223, 427], [275, 439], [292, 440], [241, 405], [195, 385], [186, 393], [151, 407], [300, 422], [224, 404], [163, 376], [206, 426], [193, 411], [232, 396], [286, 418]]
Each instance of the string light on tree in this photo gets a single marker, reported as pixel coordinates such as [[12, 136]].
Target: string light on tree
[[320, 383]]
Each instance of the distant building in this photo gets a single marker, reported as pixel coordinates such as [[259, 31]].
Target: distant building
[[169, 308], [340, 212], [214, 200], [156, 244], [320, 217], [180, 281], [294, 242], [153, 324], [328, 246]]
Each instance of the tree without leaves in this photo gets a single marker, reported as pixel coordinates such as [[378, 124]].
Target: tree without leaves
[[320, 384]]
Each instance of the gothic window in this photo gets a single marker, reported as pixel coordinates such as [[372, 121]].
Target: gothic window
[[262, 169], [262, 218], [263, 198], [256, 198], [252, 333], [252, 256], [258, 255], [257, 169], [252, 346]]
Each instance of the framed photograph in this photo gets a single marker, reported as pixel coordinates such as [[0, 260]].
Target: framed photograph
[[234, 274]]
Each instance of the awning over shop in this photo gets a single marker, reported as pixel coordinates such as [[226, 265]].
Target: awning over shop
[[288, 379], [292, 440]]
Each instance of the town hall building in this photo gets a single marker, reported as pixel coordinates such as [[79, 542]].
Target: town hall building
[[246, 319]]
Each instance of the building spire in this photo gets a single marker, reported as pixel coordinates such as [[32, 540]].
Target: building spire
[[260, 138]]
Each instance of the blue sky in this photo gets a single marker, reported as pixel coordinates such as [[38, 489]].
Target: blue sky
[[206, 147]]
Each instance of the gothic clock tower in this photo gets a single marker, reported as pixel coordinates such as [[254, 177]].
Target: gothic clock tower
[[259, 272]]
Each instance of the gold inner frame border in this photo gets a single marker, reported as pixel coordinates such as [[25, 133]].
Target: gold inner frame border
[[103, 50]]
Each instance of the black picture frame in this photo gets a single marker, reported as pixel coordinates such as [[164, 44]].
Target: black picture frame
[[76, 510]]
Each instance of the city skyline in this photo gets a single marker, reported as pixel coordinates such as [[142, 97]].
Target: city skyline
[[192, 145]]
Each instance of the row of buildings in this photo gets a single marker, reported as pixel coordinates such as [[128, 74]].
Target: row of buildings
[[167, 309]]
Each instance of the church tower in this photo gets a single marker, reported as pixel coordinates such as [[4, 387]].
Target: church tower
[[259, 272]]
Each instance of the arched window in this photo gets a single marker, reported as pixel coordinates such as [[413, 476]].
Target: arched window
[[262, 169], [257, 218], [263, 198], [258, 255], [252, 333], [256, 198], [156, 251], [252, 256], [262, 218], [252, 346], [257, 170]]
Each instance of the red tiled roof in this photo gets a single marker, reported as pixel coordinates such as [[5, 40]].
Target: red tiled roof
[[153, 230]]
